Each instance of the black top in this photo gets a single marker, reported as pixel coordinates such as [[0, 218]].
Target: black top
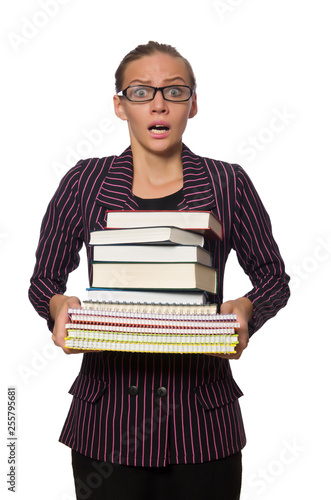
[[169, 202]]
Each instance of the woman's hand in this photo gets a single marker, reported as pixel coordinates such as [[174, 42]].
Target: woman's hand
[[243, 308], [58, 307]]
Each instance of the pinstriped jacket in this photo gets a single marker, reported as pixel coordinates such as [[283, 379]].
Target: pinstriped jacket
[[184, 408]]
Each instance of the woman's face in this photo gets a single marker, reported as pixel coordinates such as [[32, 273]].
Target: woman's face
[[157, 70]]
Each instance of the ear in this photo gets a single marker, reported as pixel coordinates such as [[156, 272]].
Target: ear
[[194, 106], [119, 108]]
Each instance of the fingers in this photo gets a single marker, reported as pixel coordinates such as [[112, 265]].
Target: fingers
[[59, 340], [59, 331], [238, 307]]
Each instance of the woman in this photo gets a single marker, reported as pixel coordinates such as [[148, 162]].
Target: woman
[[145, 425]]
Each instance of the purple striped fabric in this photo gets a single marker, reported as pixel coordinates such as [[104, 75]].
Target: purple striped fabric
[[196, 417]]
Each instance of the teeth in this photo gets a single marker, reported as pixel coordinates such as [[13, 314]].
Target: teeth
[[158, 130]]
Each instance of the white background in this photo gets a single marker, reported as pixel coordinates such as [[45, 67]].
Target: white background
[[254, 61]]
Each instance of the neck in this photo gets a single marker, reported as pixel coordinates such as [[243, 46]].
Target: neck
[[156, 174]]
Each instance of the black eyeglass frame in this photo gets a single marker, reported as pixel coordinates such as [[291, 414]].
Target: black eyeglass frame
[[124, 93]]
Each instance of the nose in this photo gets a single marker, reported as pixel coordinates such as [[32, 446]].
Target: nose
[[159, 104]]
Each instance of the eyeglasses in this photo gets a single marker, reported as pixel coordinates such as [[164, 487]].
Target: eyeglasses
[[144, 93]]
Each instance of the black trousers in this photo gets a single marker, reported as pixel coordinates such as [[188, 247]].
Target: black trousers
[[216, 480]]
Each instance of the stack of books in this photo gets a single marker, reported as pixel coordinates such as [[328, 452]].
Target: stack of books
[[147, 250], [150, 275], [151, 332]]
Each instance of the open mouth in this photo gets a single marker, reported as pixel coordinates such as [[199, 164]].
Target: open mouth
[[158, 129]]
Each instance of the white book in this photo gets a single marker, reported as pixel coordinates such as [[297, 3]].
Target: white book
[[142, 297], [151, 253], [138, 307], [193, 220], [154, 235], [154, 276]]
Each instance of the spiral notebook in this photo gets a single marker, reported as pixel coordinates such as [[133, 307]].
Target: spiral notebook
[[113, 330]]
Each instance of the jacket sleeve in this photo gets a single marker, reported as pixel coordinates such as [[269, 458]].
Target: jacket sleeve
[[258, 253], [60, 241]]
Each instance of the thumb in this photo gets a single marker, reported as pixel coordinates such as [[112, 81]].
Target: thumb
[[227, 307], [74, 302]]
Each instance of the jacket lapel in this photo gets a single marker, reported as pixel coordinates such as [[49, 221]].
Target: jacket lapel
[[115, 191], [198, 192]]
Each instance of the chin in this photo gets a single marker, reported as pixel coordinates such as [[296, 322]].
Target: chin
[[163, 147], [156, 146]]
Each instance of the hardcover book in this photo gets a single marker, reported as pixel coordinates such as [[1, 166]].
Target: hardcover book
[[153, 235], [178, 276], [199, 221]]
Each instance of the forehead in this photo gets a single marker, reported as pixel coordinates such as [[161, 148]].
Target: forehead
[[156, 69]]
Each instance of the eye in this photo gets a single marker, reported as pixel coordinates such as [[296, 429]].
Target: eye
[[174, 91], [140, 92]]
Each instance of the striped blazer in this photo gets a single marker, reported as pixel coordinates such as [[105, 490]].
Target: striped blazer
[[154, 409]]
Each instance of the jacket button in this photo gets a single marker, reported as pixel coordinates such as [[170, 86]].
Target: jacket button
[[162, 392], [133, 390]]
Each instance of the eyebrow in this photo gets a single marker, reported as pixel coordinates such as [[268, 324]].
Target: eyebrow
[[148, 82]]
